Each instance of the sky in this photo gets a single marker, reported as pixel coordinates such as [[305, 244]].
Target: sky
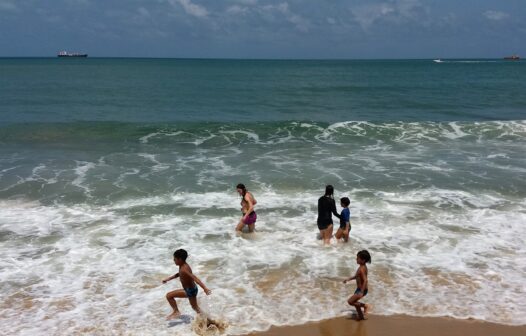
[[305, 29]]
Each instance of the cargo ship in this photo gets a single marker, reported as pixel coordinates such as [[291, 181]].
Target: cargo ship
[[512, 58], [66, 54]]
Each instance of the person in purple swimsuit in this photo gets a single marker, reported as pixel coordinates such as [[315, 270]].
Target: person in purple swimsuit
[[247, 208]]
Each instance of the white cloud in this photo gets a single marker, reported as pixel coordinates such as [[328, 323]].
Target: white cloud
[[143, 12], [7, 6], [246, 2], [367, 15], [191, 8], [237, 10], [495, 15], [298, 21], [397, 11]]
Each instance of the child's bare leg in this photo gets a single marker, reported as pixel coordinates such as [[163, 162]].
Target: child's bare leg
[[338, 234], [170, 296], [251, 227], [358, 307], [346, 232], [193, 303], [353, 301]]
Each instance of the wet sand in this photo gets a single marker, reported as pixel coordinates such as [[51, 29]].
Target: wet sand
[[396, 325]]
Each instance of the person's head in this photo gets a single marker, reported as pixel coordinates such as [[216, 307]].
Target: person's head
[[241, 189], [363, 257], [329, 190], [180, 257], [345, 202]]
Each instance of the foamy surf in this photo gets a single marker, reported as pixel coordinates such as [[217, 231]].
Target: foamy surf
[[87, 237]]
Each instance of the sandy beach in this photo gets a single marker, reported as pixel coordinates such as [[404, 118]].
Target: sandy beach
[[396, 325]]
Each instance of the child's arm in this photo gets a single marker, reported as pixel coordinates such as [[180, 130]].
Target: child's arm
[[170, 278], [201, 284], [349, 279]]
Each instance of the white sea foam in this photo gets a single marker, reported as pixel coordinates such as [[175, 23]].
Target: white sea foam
[[145, 138], [435, 203], [158, 166], [249, 135], [100, 271], [81, 171]]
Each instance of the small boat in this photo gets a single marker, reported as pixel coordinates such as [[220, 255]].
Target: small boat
[[512, 58], [438, 60], [66, 54]]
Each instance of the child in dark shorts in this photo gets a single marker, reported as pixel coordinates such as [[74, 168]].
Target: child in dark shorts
[[362, 284], [345, 224], [188, 280]]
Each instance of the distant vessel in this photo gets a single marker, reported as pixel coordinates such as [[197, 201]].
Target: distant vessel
[[66, 54], [438, 60], [512, 58]]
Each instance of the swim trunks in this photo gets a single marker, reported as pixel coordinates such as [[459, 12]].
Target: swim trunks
[[359, 291], [191, 292], [251, 218]]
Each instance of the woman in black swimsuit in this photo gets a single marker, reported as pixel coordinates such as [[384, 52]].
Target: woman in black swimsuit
[[326, 208]]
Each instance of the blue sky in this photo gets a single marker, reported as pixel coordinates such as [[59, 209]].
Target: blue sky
[[264, 28]]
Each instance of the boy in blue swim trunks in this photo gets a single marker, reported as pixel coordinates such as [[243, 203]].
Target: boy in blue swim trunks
[[188, 280], [362, 258], [345, 222]]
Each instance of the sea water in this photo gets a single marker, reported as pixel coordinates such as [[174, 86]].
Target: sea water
[[107, 166]]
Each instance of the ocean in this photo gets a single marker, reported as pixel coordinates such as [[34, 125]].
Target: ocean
[[107, 166]]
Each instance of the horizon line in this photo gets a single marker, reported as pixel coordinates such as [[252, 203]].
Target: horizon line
[[266, 58]]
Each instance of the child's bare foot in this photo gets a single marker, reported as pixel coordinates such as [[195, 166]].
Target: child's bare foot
[[173, 315], [356, 317]]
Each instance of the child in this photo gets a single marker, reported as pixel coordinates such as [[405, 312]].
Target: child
[[188, 280], [345, 224], [362, 258]]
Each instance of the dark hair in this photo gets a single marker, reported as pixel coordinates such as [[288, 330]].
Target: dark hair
[[242, 187], [364, 255], [345, 201], [329, 190], [181, 254]]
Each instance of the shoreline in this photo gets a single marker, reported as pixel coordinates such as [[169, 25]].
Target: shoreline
[[379, 325]]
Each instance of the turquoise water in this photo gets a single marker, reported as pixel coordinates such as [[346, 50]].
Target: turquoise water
[[108, 165], [166, 90]]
